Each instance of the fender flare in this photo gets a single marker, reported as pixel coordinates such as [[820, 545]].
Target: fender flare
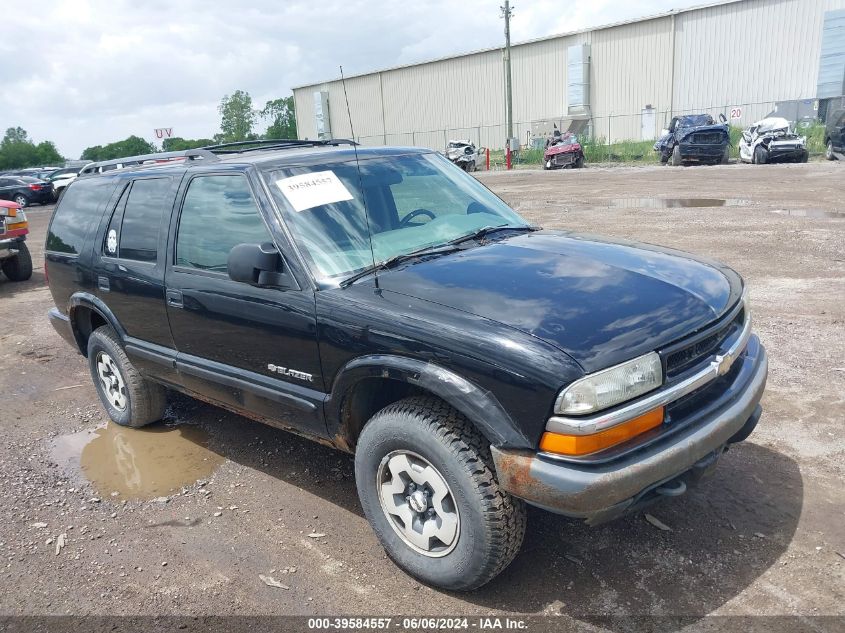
[[480, 406], [91, 302]]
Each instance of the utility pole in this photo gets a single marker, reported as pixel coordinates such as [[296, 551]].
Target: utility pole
[[507, 12]]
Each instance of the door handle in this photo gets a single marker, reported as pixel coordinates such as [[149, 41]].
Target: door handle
[[174, 298], [103, 283]]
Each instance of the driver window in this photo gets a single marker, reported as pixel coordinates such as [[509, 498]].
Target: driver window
[[218, 213]]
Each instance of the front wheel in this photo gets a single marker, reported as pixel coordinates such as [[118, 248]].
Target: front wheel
[[428, 488], [676, 160], [19, 267], [761, 157], [828, 152]]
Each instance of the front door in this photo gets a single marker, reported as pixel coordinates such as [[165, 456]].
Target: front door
[[242, 346]]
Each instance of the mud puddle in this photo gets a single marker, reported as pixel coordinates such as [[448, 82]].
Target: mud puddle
[[137, 463], [676, 203]]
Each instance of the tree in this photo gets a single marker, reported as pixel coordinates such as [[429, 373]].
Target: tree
[[18, 151], [131, 146], [15, 135], [237, 117], [282, 118], [177, 143]]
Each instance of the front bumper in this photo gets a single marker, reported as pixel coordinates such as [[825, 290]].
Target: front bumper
[[708, 152], [601, 492]]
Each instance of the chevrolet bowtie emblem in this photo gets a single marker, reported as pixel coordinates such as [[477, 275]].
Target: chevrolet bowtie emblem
[[723, 363]]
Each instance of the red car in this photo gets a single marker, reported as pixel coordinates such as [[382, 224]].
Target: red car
[[15, 259], [563, 151]]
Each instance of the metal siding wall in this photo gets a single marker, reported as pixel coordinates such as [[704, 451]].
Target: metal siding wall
[[749, 53], [631, 67]]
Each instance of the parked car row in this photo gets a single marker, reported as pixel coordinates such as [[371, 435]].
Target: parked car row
[[698, 138], [37, 185]]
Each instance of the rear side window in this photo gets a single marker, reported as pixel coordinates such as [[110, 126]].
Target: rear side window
[[139, 230], [218, 213], [79, 207]]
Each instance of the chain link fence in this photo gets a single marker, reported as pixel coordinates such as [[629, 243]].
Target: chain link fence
[[612, 137]]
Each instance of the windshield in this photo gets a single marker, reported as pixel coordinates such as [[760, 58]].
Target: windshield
[[413, 202]]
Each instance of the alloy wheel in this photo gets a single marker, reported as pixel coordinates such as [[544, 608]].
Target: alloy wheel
[[418, 503], [113, 387]]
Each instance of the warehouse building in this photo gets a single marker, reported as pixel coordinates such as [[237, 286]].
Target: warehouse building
[[743, 58]]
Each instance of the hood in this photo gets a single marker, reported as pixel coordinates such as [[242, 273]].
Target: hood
[[601, 302], [686, 131], [562, 149], [772, 124]]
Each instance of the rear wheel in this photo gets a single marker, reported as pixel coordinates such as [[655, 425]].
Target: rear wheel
[[428, 488], [21, 200], [129, 398], [19, 267]]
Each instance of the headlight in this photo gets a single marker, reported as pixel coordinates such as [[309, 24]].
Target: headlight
[[612, 386]]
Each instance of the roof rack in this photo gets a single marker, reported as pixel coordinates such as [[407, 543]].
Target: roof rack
[[271, 144], [146, 159]]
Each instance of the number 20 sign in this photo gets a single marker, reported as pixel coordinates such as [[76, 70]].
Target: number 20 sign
[[736, 113]]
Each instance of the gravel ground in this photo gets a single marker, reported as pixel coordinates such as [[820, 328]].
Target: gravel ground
[[764, 535]]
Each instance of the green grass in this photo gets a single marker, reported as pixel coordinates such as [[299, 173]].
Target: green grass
[[596, 151]]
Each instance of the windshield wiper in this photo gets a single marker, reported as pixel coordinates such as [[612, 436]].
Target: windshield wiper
[[487, 230], [398, 259]]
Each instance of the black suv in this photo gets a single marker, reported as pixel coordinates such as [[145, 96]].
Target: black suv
[[387, 303]]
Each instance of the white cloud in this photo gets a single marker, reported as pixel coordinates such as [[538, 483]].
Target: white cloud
[[86, 72]]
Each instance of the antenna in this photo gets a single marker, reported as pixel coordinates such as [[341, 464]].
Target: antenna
[[360, 179]]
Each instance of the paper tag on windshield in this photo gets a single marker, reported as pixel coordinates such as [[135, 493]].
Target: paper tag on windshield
[[307, 191]]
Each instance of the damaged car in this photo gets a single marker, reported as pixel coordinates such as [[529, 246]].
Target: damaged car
[[772, 140], [562, 151], [463, 153], [694, 138]]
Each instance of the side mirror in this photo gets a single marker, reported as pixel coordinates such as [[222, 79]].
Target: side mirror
[[256, 264]]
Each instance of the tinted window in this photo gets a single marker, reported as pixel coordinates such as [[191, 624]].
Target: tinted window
[[142, 218], [80, 205], [112, 236], [218, 213]]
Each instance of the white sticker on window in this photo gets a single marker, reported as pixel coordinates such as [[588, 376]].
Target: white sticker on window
[[307, 191]]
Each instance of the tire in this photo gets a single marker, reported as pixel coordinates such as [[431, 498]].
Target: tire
[[19, 267], [761, 157], [804, 157], [726, 157], [579, 162], [828, 153], [676, 161], [21, 200], [487, 524], [132, 400]]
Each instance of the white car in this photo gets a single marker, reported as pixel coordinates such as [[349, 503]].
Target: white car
[[61, 178], [772, 140]]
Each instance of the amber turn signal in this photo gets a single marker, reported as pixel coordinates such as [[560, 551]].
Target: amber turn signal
[[577, 445]]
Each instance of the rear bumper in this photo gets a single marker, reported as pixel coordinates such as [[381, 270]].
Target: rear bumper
[[602, 492], [61, 323]]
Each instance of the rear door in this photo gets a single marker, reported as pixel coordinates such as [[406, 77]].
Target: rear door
[[240, 345], [129, 272]]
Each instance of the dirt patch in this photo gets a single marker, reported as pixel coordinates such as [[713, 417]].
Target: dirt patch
[[763, 535]]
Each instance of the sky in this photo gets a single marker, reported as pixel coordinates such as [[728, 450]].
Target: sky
[[89, 72]]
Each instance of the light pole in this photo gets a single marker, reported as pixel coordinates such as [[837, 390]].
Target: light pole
[[507, 12]]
